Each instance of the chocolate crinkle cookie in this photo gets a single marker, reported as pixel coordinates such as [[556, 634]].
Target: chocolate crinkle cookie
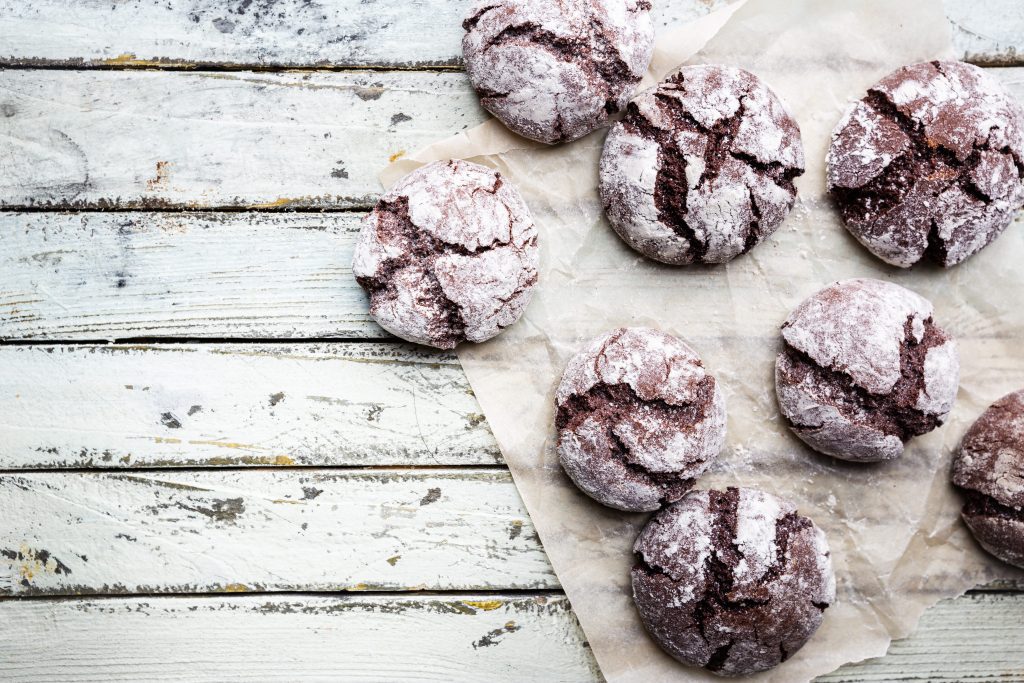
[[639, 419], [555, 71], [863, 369], [734, 581], [701, 168], [989, 469], [448, 254], [929, 164]]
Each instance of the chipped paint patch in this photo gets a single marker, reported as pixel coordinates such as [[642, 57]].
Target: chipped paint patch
[[29, 563], [394, 560], [494, 637], [129, 59], [433, 494], [159, 181], [236, 588]]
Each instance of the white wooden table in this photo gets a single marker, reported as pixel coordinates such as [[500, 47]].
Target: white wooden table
[[254, 482]]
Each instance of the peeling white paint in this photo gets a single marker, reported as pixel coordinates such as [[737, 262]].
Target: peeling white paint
[[237, 531], [177, 405]]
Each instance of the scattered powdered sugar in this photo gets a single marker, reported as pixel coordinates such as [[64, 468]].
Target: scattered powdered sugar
[[448, 254], [555, 71], [941, 379], [857, 327], [701, 167], [757, 515]]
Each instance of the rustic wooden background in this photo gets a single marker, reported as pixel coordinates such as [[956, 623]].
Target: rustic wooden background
[[253, 481]]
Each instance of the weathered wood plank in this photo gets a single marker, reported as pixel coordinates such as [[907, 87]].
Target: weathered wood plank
[[339, 33], [238, 530], [210, 405], [297, 638], [977, 637], [440, 638], [196, 140], [988, 33], [266, 33], [114, 276], [224, 140]]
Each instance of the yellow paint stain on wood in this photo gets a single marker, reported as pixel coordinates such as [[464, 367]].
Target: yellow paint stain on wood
[[29, 565], [283, 460], [394, 560], [236, 588], [396, 156], [277, 203], [288, 501], [165, 439], [226, 444], [485, 605]]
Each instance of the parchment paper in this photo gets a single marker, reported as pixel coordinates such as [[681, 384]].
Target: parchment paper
[[897, 541]]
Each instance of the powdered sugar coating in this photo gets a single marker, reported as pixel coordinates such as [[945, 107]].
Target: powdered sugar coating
[[555, 71], [639, 419], [929, 163], [864, 368], [448, 254], [734, 581], [701, 167], [989, 468]]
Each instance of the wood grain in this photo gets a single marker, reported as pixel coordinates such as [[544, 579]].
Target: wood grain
[[210, 405], [200, 140], [427, 638], [338, 33], [466, 637], [246, 530]]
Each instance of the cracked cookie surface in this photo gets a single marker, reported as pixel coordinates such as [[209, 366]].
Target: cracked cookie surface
[[555, 71], [863, 369], [639, 419], [448, 254], [733, 581], [929, 164], [989, 469], [701, 169]]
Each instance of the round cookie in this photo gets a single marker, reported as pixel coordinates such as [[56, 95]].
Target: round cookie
[[555, 71], [732, 581], [448, 254], [701, 168], [863, 369], [989, 469], [929, 164], [639, 419]]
